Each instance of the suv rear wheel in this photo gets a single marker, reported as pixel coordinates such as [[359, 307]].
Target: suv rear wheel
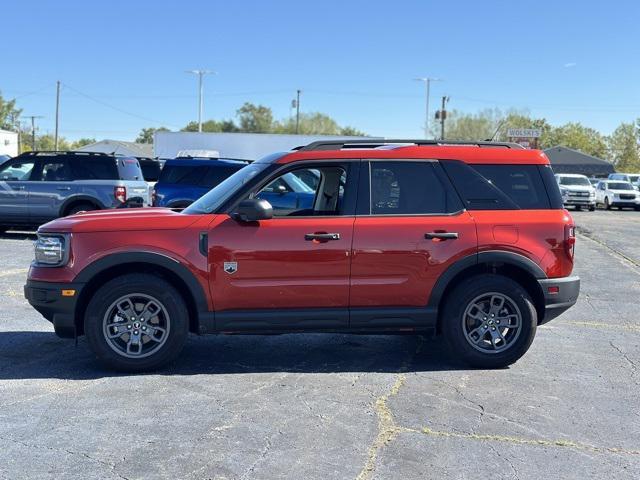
[[136, 322], [80, 207], [489, 321]]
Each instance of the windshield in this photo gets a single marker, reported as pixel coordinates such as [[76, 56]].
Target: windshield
[[634, 178], [214, 199], [620, 186], [575, 181]]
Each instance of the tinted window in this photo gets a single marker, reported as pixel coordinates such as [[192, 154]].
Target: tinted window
[[182, 174], [620, 186], [575, 181], [409, 188], [55, 171], [150, 170], [504, 187], [93, 168], [215, 175], [129, 168]]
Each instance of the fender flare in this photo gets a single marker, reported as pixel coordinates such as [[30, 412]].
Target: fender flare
[[490, 256], [158, 259], [80, 199]]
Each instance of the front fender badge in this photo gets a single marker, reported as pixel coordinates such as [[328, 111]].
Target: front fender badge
[[231, 267]]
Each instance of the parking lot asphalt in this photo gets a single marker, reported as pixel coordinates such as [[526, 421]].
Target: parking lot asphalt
[[336, 406]]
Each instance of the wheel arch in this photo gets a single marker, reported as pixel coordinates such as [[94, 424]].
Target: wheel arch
[[509, 264], [111, 266], [77, 199]]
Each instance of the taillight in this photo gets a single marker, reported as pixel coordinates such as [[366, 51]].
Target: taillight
[[570, 240], [120, 193]]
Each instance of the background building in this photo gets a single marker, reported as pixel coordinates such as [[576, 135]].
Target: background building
[[116, 146], [567, 160]]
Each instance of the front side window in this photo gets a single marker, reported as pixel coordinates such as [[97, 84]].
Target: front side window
[[16, 171], [290, 195], [409, 188]]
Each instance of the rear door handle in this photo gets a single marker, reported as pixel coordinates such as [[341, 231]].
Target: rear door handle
[[441, 235], [63, 188], [19, 187], [321, 237]]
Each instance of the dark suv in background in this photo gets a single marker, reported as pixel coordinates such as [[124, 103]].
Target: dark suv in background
[[36, 187]]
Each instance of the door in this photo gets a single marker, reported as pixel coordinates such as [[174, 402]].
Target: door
[[14, 192], [51, 185], [410, 228], [291, 271]]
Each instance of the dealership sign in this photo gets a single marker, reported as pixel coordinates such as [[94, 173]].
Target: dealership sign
[[524, 132]]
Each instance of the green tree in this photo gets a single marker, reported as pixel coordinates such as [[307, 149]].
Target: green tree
[[255, 118], [465, 126], [9, 114], [146, 134], [212, 126], [577, 136], [81, 142], [623, 148]]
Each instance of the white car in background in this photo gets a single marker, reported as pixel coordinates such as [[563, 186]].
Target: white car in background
[[632, 178], [576, 191], [614, 193]]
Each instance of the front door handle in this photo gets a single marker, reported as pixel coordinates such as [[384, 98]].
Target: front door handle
[[19, 187], [441, 235], [321, 237], [63, 188]]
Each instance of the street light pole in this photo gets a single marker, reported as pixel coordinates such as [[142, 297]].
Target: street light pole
[[427, 86], [200, 74]]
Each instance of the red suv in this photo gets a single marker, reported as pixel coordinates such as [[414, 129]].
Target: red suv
[[468, 240]]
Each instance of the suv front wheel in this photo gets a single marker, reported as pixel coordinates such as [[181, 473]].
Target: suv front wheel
[[136, 322], [489, 321]]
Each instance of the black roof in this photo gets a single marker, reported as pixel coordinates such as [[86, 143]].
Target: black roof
[[567, 160]]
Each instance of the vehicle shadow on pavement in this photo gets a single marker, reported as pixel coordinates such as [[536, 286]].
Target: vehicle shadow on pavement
[[18, 235], [40, 355]]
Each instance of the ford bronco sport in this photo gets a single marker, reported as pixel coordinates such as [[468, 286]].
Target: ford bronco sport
[[467, 240]]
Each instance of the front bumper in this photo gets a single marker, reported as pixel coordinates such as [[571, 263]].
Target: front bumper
[[47, 298], [560, 294], [580, 201]]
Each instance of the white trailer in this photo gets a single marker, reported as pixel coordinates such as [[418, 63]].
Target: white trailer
[[244, 146], [8, 143]]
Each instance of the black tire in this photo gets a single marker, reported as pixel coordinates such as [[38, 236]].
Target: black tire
[[607, 205], [80, 207], [592, 208], [142, 285], [577, 208], [462, 298]]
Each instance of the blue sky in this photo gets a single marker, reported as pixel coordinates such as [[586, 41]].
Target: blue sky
[[122, 63]]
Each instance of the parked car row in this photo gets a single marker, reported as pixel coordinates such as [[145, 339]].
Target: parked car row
[[620, 190]]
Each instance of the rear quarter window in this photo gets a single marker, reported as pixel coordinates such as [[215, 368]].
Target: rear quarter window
[[182, 174], [93, 168], [504, 186]]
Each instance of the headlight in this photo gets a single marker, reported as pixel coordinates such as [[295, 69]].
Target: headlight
[[51, 250], [592, 193], [564, 192]]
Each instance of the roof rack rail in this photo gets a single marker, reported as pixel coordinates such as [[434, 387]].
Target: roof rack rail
[[62, 152], [374, 143]]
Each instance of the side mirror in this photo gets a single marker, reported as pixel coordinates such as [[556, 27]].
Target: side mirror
[[281, 189], [253, 210]]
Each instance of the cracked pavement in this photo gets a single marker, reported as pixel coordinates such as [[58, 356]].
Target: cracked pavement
[[336, 406]]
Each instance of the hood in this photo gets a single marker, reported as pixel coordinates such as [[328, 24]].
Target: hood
[[578, 188], [125, 219]]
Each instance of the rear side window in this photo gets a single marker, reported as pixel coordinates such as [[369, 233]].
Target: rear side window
[[150, 171], [83, 168], [504, 187], [409, 188], [216, 175], [129, 168], [182, 174]]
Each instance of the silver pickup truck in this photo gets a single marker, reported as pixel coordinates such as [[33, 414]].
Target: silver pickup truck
[[36, 187]]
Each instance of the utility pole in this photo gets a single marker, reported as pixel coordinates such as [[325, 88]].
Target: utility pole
[[427, 85], [16, 124], [33, 129], [442, 115], [298, 110], [57, 114], [200, 74]]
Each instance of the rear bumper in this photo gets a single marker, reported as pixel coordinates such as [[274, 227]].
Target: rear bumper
[[47, 299], [560, 294]]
